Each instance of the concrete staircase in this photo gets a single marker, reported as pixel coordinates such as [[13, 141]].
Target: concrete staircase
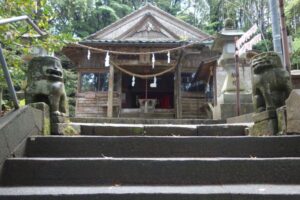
[[184, 165]]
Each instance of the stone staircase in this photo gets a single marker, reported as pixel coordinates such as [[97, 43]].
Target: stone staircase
[[114, 162]]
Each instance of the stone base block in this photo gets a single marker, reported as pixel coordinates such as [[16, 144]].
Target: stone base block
[[226, 107], [264, 128], [63, 129], [230, 98], [246, 118], [293, 127], [46, 116], [282, 120], [265, 124], [265, 115], [224, 111], [59, 119], [293, 112]]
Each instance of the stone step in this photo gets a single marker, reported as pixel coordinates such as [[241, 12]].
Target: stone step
[[149, 171], [146, 121], [162, 130], [145, 146], [115, 192]]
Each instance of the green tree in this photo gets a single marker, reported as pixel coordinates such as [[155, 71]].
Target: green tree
[[82, 18], [293, 20], [16, 46]]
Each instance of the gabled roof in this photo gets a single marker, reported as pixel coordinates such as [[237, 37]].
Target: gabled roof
[[149, 23]]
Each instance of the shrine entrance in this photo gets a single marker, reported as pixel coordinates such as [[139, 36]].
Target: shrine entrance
[[148, 97]]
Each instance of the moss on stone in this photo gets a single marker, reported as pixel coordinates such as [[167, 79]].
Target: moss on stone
[[264, 128], [47, 127], [69, 130], [137, 130]]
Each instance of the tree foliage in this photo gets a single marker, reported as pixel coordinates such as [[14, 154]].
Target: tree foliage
[[84, 17], [292, 11], [18, 38], [16, 45]]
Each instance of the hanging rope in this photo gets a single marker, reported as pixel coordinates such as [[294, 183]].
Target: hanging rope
[[142, 75], [137, 53]]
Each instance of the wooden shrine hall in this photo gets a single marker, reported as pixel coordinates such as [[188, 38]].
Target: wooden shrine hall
[[148, 64]]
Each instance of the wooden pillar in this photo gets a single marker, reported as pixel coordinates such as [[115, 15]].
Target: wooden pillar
[[178, 87], [215, 85], [175, 99], [119, 89], [78, 91], [179, 98], [110, 98]]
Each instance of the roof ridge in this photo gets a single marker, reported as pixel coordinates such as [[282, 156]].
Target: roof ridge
[[148, 16], [117, 21], [155, 9], [179, 20]]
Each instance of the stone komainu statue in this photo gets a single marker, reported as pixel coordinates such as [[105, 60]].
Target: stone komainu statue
[[45, 84], [270, 82]]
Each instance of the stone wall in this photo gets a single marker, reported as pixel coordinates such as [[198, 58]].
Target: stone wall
[[15, 127]]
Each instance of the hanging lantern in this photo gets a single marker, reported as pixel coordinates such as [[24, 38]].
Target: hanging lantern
[[169, 57], [107, 57], [153, 60], [88, 55], [133, 81]]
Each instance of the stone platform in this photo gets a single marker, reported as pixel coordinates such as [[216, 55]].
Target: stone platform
[[226, 106], [198, 161]]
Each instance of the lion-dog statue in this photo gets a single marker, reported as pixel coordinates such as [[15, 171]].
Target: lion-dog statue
[[271, 83], [45, 84]]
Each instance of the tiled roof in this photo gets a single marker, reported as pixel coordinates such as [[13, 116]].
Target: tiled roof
[[175, 42], [169, 25]]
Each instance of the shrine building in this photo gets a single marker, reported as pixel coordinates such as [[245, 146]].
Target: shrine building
[[149, 64]]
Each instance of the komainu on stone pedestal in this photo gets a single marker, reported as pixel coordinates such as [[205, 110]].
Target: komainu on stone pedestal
[[45, 84], [271, 83], [271, 86]]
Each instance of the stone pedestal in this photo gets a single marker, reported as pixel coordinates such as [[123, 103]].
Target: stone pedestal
[[265, 124], [282, 120], [229, 83], [46, 116], [293, 112], [58, 124], [226, 107]]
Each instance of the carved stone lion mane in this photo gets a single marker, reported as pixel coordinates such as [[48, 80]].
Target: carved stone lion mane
[[45, 84], [271, 83]]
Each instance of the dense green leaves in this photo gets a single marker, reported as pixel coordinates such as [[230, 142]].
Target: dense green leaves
[[13, 39], [18, 39], [292, 11]]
